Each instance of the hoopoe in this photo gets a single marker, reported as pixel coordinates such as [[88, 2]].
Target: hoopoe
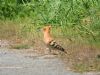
[[49, 41]]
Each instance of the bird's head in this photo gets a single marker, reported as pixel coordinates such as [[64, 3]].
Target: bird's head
[[47, 29]]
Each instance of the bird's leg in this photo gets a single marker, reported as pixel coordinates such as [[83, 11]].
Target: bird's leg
[[48, 51], [60, 53]]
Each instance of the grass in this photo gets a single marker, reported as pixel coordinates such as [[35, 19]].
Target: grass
[[82, 57], [89, 66], [20, 46], [8, 29]]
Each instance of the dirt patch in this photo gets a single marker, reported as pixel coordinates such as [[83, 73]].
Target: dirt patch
[[80, 57]]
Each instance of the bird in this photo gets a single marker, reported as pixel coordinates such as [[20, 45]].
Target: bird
[[49, 40]]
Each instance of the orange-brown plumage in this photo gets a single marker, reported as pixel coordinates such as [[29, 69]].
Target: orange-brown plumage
[[49, 41]]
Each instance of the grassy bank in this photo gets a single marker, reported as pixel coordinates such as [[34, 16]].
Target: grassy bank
[[83, 51]]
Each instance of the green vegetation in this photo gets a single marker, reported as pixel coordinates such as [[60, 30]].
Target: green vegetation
[[20, 46], [74, 20]]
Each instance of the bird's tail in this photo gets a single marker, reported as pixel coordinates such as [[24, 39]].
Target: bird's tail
[[56, 46]]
